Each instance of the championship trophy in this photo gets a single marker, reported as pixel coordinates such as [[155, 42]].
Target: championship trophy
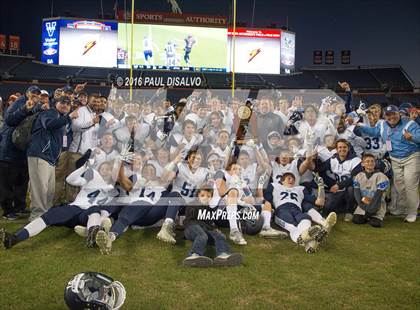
[[245, 123]]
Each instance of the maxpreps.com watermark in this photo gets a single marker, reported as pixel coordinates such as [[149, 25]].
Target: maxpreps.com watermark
[[220, 214]]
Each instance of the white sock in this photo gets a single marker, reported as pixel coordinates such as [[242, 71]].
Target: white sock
[[266, 215], [302, 226], [293, 231], [231, 210], [93, 220], [316, 217], [169, 220], [112, 236], [35, 227], [104, 214]]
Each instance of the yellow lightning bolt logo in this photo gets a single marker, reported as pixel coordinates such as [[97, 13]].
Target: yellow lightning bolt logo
[[253, 54], [88, 46]]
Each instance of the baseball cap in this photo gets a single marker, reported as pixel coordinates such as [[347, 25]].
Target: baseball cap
[[68, 89], [64, 99], [406, 106], [391, 109], [44, 92], [33, 89]]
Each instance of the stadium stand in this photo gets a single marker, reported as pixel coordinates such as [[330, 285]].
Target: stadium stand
[[374, 84]]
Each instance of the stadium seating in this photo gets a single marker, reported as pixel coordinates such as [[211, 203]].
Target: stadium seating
[[361, 79], [375, 81]]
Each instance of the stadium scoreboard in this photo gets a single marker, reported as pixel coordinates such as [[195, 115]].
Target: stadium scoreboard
[[99, 43]]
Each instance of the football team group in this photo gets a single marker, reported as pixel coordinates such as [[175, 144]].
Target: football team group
[[101, 165]]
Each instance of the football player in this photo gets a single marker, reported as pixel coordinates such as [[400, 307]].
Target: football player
[[189, 42], [170, 54], [232, 192], [293, 205], [96, 189], [148, 202], [340, 170]]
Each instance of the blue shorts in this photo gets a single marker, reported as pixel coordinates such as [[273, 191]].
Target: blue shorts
[[290, 214], [148, 54], [64, 215]]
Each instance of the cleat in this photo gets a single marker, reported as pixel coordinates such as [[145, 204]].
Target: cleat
[[271, 233], [6, 239], [81, 231], [106, 224], [312, 246], [228, 260], [196, 260], [237, 238], [91, 237], [308, 235], [327, 227], [104, 242], [330, 221], [166, 233]]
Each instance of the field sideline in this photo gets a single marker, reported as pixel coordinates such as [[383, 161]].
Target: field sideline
[[358, 268]]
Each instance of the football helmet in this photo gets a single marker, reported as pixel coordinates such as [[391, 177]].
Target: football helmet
[[251, 221], [93, 290]]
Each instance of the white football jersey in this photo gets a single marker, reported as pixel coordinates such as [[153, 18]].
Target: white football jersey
[[147, 44], [196, 140], [170, 49], [322, 127], [283, 195], [342, 171], [279, 170], [94, 192], [151, 192], [249, 175], [187, 182]]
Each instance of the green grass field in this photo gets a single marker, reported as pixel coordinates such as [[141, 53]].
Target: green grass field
[[209, 51], [358, 268]]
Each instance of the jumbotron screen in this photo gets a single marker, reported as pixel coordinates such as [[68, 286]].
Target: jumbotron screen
[[173, 47], [90, 43], [264, 51], [79, 43]]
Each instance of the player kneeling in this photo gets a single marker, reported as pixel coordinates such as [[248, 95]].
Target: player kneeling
[[204, 232], [291, 204]]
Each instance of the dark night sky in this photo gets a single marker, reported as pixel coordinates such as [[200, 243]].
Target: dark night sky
[[377, 32]]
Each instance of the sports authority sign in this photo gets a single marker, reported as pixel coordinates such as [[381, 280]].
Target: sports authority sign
[[170, 18]]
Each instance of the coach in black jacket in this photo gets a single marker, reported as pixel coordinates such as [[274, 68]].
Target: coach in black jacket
[[13, 167], [43, 153]]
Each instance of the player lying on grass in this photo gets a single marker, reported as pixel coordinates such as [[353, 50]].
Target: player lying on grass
[[149, 202], [97, 189], [294, 212], [232, 192], [204, 233], [370, 186]]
